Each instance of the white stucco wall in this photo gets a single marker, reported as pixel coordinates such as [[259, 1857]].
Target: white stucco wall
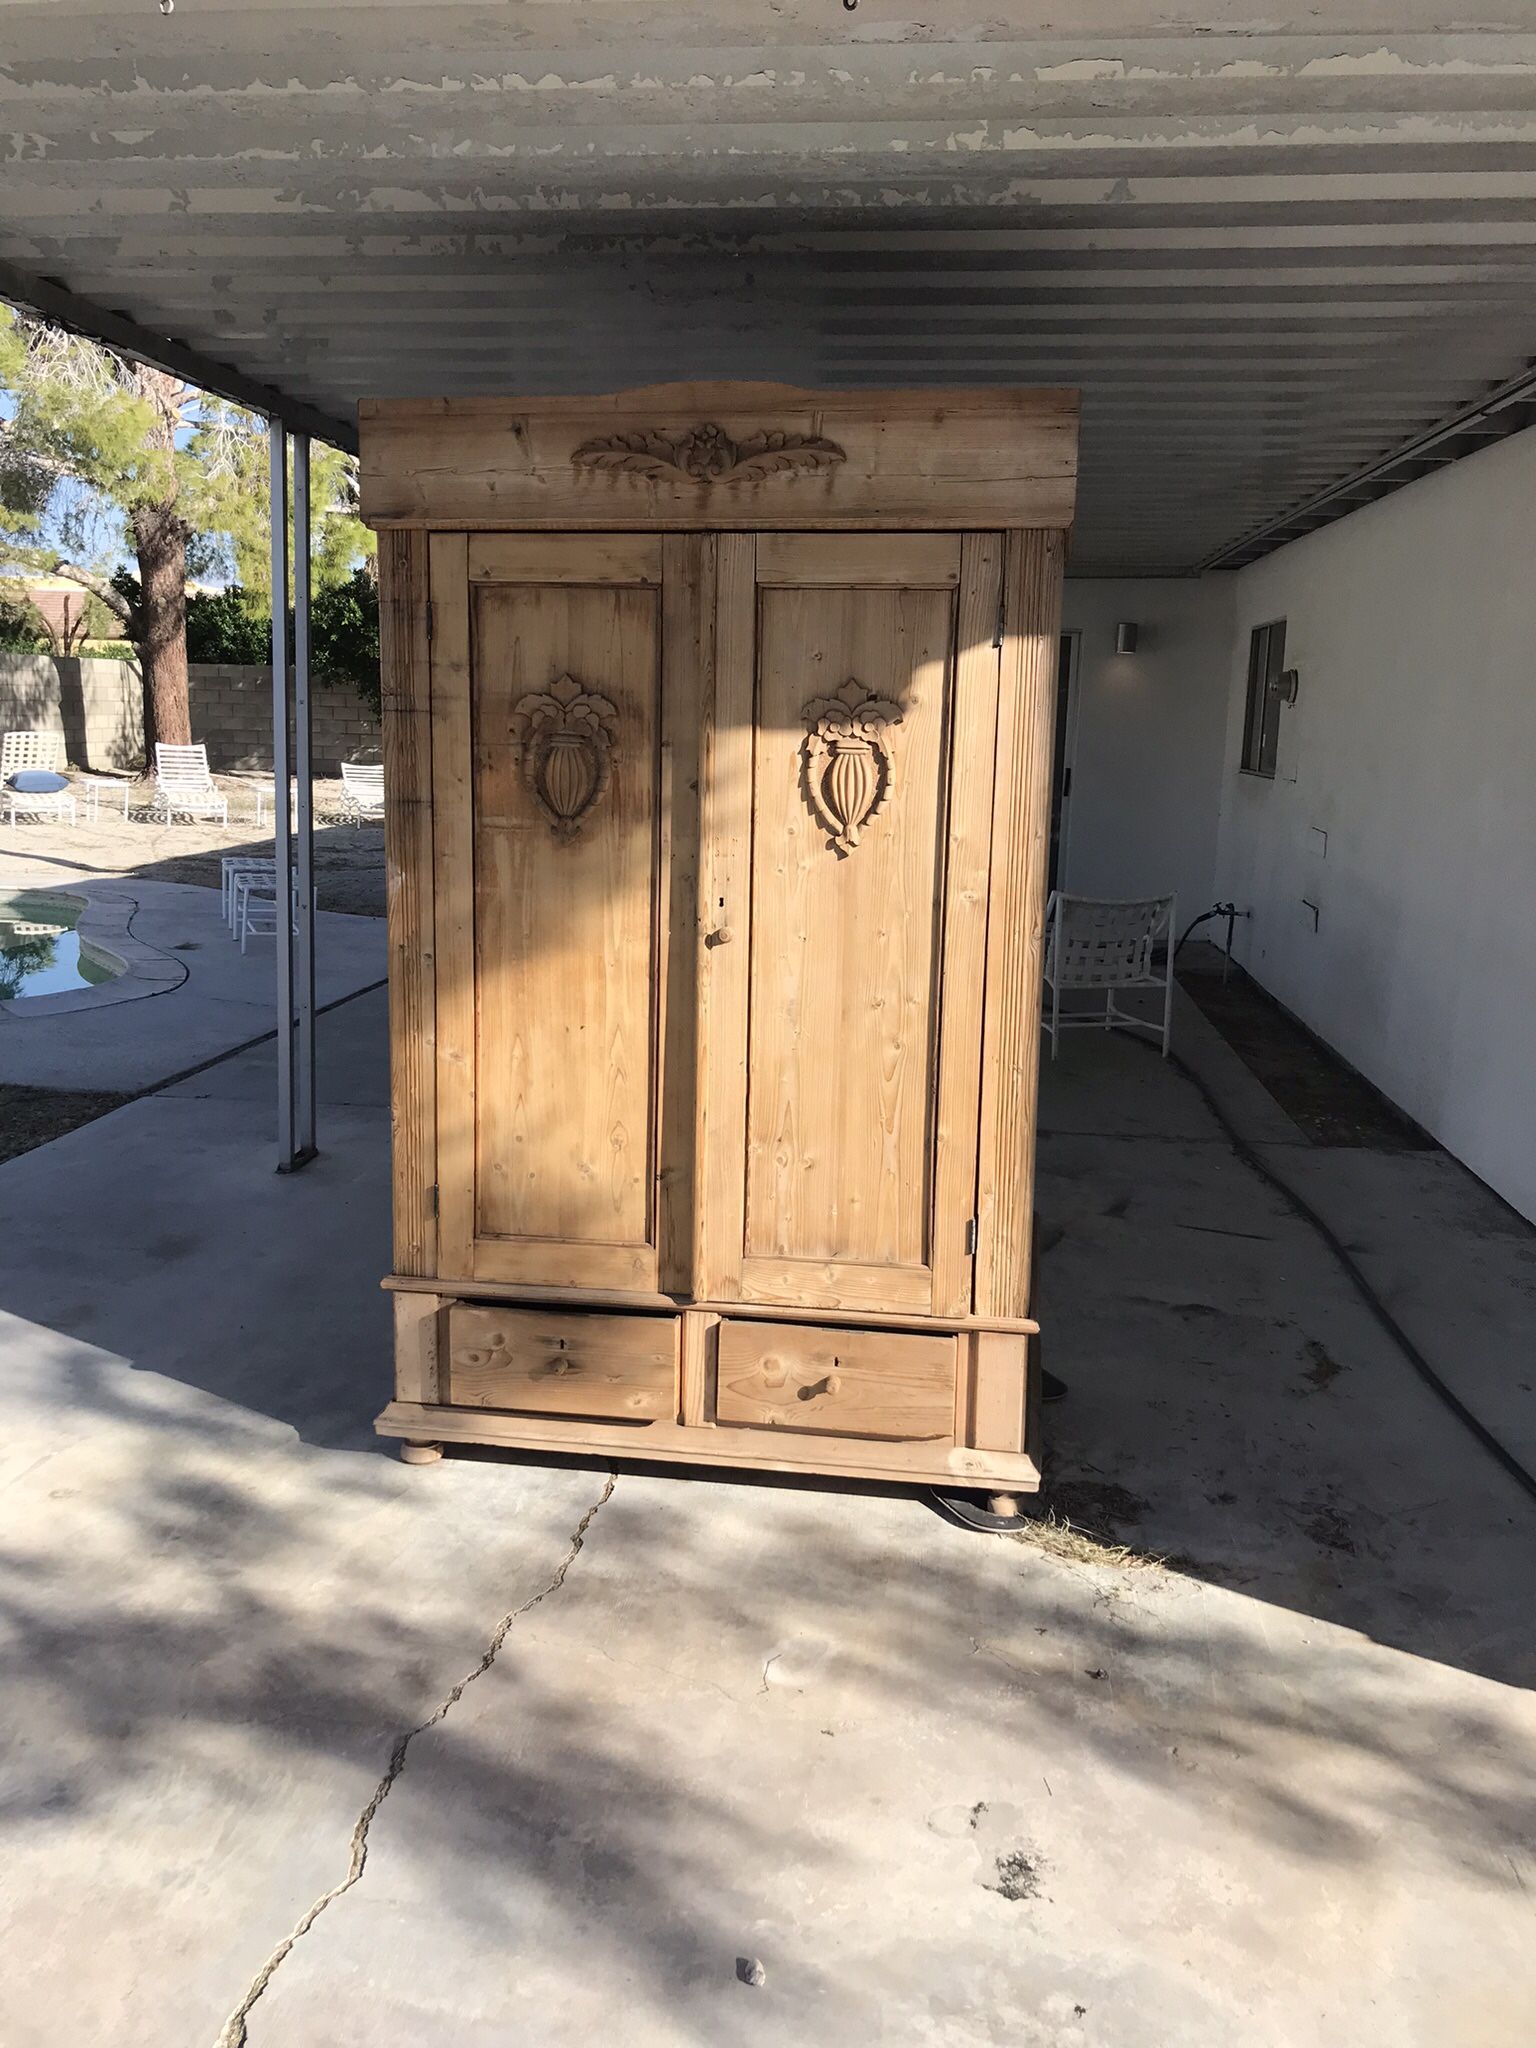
[[1412, 747], [1150, 726]]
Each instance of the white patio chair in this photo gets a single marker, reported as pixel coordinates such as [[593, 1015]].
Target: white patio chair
[[1109, 948], [45, 750], [183, 784], [231, 867], [362, 789], [256, 906]]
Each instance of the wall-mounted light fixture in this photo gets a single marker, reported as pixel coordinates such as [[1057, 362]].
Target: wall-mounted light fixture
[[1127, 633], [1289, 685]]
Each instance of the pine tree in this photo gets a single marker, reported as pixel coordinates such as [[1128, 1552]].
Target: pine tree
[[100, 454]]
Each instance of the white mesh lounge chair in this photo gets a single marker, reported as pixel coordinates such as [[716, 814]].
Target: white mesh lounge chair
[[1108, 948], [184, 786], [362, 789], [44, 750]]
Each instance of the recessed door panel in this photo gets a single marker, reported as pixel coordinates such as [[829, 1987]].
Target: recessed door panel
[[564, 794], [847, 847], [555, 844], [846, 868]]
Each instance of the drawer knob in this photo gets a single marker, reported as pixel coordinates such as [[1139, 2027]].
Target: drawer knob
[[828, 1384]]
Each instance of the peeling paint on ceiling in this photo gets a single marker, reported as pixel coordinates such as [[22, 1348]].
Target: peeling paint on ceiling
[[1266, 254]]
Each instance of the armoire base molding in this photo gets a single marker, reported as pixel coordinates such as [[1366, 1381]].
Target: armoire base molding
[[777, 1390], [674, 1444]]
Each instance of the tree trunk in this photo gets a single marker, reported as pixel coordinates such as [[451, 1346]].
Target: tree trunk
[[160, 541]]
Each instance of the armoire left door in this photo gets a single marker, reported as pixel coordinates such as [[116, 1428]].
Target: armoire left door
[[565, 675]]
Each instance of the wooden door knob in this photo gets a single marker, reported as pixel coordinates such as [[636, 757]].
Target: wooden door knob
[[720, 936]]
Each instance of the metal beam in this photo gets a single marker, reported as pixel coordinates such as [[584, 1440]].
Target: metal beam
[[1417, 456], [116, 330]]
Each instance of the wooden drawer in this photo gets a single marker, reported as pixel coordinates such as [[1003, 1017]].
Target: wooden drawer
[[842, 1382], [552, 1362]]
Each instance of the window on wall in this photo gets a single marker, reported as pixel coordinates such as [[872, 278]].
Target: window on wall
[[1261, 726]]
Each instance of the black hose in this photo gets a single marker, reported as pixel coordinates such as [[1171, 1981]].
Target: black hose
[[1300, 1206], [1216, 910]]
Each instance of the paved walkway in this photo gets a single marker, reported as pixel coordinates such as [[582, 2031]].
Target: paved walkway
[[679, 1736]]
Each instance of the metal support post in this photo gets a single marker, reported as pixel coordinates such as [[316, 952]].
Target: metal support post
[[303, 764]]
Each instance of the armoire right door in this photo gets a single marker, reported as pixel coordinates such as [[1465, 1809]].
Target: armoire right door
[[846, 823]]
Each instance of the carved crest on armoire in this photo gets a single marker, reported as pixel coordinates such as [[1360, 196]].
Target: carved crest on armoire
[[707, 454], [564, 736], [717, 802], [847, 756]]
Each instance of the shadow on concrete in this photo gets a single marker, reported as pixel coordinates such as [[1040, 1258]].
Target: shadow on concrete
[[635, 1776], [212, 1545], [224, 1596]]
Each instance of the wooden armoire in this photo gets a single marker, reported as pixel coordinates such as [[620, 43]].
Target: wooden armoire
[[717, 737]]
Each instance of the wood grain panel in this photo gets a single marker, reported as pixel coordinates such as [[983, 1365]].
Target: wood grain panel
[[404, 668], [418, 1331], [624, 1367], [999, 1386], [972, 750], [454, 904], [550, 558], [923, 459], [565, 929], [725, 925], [903, 560], [696, 1393], [847, 1382], [1015, 922], [836, 1283], [688, 656], [844, 947]]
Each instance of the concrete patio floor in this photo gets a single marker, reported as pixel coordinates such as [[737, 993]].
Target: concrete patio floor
[[204, 997], [943, 1789]]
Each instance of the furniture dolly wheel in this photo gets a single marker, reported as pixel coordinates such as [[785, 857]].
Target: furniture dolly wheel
[[420, 1453]]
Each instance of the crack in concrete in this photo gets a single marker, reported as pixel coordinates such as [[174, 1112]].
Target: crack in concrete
[[234, 2033]]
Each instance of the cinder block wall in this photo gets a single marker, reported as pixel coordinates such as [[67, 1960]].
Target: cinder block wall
[[98, 706], [232, 716]]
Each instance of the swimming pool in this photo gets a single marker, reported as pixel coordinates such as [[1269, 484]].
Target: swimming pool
[[41, 953]]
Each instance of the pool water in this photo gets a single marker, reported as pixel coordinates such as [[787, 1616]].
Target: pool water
[[41, 952]]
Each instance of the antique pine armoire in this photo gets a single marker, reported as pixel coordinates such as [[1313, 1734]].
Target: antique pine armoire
[[717, 733]]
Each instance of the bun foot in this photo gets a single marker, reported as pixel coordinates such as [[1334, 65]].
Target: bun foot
[[420, 1454]]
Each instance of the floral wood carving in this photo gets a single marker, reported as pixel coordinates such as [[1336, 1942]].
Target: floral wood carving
[[564, 738], [707, 455], [847, 760]]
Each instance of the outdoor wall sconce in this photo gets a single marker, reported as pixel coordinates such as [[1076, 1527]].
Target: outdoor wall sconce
[[1289, 685], [1127, 633]]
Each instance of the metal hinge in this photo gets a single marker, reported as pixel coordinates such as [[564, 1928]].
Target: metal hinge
[[432, 1197], [998, 640], [972, 1234], [432, 621]]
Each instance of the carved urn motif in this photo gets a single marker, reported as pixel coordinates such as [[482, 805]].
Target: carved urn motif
[[564, 739], [846, 759]]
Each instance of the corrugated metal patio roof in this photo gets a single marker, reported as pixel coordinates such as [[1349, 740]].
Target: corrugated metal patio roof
[[1268, 254]]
